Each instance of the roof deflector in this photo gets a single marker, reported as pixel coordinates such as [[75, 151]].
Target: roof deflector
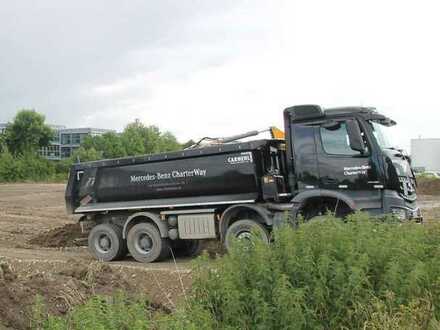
[[304, 112]]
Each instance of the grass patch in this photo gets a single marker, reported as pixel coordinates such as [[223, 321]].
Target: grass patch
[[100, 312], [361, 274]]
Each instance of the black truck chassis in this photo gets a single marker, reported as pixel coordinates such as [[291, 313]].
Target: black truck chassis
[[151, 203]]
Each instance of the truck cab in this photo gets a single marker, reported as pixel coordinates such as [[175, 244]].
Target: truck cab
[[340, 160]]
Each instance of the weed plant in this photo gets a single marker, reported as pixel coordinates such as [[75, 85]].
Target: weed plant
[[327, 274]]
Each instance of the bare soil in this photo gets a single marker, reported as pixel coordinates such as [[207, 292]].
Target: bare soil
[[430, 205], [61, 289], [66, 236], [428, 186], [42, 252]]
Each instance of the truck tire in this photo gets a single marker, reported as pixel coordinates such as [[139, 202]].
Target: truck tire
[[106, 242], [243, 229], [193, 248], [145, 243], [187, 247], [165, 252]]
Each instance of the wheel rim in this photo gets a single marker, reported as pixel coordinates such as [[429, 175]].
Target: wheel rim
[[144, 243], [103, 244], [244, 235]]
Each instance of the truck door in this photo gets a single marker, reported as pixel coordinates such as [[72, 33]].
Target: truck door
[[341, 167]]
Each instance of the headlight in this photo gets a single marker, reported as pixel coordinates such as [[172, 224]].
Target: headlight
[[399, 213]]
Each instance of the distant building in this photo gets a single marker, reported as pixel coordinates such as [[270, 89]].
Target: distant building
[[425, 154], [66, 140]]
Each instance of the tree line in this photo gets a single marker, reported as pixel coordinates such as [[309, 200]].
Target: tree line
[[28, 133]]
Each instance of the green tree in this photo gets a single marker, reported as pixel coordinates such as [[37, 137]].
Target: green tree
[[109, 144], [112, 146], [168, 142], [9, 169], [25, 167], [86, 155], [3, 147], [136, 139], [140, 139], [152, 139], [27, 133], [133, 138], [34, 167]]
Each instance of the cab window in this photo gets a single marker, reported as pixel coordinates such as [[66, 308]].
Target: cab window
[[335, 140]]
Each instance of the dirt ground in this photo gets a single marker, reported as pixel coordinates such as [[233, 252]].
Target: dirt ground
[[42, 252], [428, 186]]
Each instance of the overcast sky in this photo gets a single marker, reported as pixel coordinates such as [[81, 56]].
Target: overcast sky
[[215, 68]]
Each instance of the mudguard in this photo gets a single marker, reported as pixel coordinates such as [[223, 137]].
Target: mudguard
[[153, 217]]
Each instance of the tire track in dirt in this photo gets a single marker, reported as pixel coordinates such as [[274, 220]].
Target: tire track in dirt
[[29, 211]]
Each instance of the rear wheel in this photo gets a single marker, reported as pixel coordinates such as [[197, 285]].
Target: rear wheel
[[106, 242], [193, 248], [145, 243], [244, 230], [186, 248]]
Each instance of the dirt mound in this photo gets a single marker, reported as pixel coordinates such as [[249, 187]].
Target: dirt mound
[[427, 186], [65, 236], [58, 291]]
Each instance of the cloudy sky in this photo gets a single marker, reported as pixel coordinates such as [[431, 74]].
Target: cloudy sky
[[215, 68]]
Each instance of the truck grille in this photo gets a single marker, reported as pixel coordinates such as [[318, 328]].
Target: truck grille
[[408, 188]]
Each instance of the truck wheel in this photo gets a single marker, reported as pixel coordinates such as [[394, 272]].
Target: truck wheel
[[193, 248], [187, 247], [243, 230], [145, 244], [165, 252], [106, 242]]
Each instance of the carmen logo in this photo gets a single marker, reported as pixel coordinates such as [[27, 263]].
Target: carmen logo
[[245, 157]]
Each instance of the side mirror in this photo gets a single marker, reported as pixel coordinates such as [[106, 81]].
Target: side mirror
[[355, 136]]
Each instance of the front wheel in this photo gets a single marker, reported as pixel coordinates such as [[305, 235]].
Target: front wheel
[[244, 230], [145, 243]]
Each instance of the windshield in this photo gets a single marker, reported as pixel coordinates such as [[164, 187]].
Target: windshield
[[381, 134]]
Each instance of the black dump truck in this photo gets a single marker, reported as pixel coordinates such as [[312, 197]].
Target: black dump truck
[[336, 160]]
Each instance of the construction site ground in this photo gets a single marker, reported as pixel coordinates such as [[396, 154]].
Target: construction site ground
[[43, 252]]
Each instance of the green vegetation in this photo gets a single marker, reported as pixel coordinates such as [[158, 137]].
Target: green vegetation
[[117, 312], [19, 159], [30, 167], [136, 139], [27, 133], [361, 274]]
